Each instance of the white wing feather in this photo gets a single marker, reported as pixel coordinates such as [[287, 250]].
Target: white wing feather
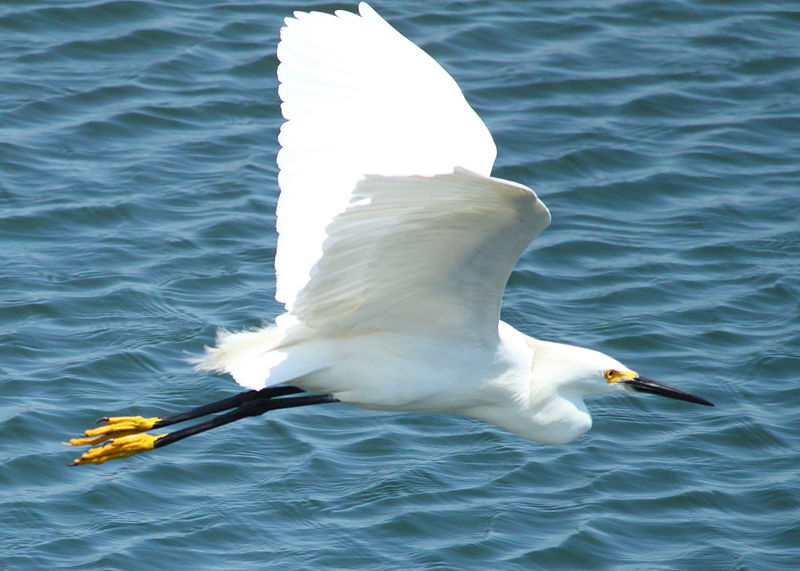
[[421, 255], [359, 99]]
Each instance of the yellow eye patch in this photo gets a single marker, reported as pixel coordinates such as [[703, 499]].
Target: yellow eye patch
[[614, 376]]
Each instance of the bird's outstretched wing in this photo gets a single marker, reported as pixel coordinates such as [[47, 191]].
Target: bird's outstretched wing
[[359, 99], [421, 255], [387, 216]]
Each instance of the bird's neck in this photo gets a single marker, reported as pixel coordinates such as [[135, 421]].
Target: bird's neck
[[532, 406], [556, 421]]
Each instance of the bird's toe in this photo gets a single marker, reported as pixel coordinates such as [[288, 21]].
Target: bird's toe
[[120, 447], [114, 427]]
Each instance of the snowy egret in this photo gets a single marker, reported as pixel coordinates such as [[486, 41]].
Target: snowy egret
[[394, 248]]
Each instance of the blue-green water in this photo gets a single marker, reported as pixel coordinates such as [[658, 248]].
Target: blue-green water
[[137, 196]]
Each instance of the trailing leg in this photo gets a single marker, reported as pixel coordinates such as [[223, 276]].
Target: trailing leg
[[116, 426], [125, 437]]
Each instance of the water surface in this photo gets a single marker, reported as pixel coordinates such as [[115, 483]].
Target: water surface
[[137, 196]]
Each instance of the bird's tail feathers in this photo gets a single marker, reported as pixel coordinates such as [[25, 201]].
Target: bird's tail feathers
[[260, 358]]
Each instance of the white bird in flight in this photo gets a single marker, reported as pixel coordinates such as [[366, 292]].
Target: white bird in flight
[[394, 247]]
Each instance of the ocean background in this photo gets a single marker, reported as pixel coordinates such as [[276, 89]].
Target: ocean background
[[137, 199]]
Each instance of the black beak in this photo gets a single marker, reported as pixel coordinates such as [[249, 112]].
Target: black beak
[[645, 385]]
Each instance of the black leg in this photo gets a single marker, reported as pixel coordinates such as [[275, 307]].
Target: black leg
[[224, 404], [249, 408]]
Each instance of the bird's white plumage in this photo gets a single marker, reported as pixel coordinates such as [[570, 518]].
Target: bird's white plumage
[[359, 99], [421, 255], [395, 244]]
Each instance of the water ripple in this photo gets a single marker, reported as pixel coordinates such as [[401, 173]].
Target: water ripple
[[137, 195]]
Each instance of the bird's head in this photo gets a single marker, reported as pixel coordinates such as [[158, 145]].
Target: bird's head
[[584, 372]]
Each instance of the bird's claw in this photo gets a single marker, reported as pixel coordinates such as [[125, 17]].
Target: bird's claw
[[115, 427], [120, 447]]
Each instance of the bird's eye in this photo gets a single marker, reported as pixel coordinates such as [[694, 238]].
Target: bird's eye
[[610, 374]]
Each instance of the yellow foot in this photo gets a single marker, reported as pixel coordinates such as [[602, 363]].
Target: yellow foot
[[115, 427], [121, 447]]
